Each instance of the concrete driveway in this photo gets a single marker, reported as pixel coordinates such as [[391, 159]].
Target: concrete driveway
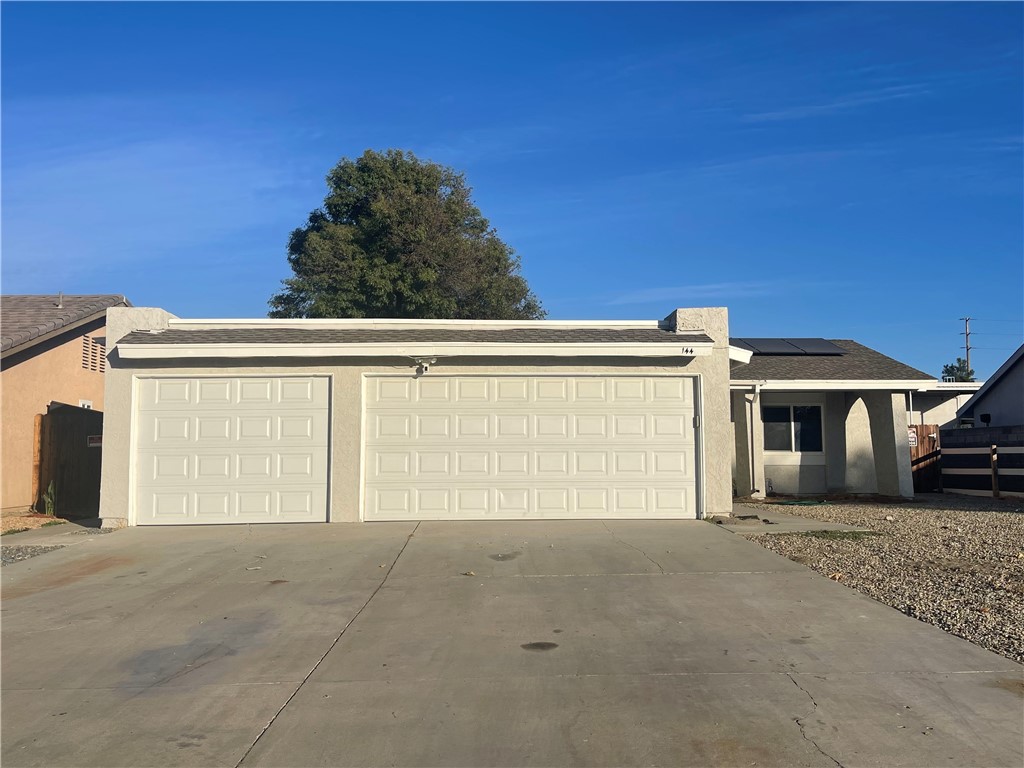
[[569, 643]]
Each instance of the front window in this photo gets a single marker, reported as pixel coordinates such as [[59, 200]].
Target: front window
[[792, 428]]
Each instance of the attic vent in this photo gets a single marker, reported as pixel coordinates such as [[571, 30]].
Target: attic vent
[[94, 355]]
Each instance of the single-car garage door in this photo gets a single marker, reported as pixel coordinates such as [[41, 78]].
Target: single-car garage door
[[231, 450], [504, 447]]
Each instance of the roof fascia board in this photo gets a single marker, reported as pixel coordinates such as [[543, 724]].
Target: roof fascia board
[[372, 323], [200, 351], [25, 345], [740, 355], [805, 385]]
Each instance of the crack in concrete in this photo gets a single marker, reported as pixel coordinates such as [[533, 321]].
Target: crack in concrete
[[330, 648], [631, 546], [800, 724]]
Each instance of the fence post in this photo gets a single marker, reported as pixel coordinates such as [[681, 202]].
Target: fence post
[[993, 457], [37, 439]]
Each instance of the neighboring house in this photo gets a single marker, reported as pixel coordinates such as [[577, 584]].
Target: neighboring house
[[988, 458], [939, 402], [816, 416], [226, 421], [1000, 401], [53, 350]]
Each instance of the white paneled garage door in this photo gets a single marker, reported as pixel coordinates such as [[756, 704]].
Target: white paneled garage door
[[501, 447], [231, 450]]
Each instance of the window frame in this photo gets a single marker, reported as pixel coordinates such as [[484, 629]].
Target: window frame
[[793, 450]]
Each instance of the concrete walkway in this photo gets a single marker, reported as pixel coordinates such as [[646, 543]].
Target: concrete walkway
[[748, 520], [478, 644]]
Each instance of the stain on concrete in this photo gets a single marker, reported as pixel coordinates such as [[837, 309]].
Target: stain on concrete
[[540, 646], [503, 556], [558, 631], [187, 740], [1011, 684], [66, 574], [207, 645], [278, 581]]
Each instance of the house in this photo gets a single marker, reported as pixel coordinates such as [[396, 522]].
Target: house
[[224, 421], [988, 458], [1000, 401], [212, 421], [937, 403], [816, 416], [53, 351]]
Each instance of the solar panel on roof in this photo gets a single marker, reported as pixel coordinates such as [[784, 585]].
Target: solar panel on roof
[[772, 347], [741, 344], [811, 347], [817, 346]]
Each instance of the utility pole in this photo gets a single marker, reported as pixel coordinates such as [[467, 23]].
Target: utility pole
[[967, 340]]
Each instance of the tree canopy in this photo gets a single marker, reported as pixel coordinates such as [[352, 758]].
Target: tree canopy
[[401, 237], [958, 371]]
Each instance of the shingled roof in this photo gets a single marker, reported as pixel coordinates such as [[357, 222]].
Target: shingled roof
[[858, 363], [25, 318], [526, 335]]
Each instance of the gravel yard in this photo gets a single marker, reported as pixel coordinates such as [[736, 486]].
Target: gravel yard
[[953, 561], [9, 554]]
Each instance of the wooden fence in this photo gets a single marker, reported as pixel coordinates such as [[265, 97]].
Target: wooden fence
[[988, 461], [925, 458], [69, 445]]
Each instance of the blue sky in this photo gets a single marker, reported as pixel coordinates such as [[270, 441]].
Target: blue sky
[[839, 170]]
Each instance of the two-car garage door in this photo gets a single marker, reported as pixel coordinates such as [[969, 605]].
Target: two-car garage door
[[501, 447], [253, 449]]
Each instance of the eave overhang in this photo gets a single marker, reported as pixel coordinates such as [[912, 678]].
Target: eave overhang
[[138, 351], [811, 385]]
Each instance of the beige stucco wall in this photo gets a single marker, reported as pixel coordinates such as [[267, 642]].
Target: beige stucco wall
[[29, 381], [347, 407]]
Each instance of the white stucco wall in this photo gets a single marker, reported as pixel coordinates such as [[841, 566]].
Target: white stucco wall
[[715, 435]]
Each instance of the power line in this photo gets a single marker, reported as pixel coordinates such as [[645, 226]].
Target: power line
[[967, 339]]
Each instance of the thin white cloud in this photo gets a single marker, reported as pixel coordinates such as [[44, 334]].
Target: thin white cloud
[[844, 104]]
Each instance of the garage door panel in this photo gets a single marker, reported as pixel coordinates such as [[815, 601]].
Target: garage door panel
[[508, 447], [227, 450], [557, 501]]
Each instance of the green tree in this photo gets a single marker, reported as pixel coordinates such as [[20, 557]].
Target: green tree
[[401, 237], [958, 371]]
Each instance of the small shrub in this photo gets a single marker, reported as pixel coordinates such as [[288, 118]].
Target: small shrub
[[49, 500]]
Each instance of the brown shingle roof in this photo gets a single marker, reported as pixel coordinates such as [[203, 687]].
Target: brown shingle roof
[[24, 318], [860, 363], [527, 335]]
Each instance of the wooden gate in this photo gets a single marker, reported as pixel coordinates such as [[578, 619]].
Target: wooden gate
[[925, 457], [70, 447]]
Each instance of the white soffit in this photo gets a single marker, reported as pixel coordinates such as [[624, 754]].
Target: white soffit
[[803, 385]]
